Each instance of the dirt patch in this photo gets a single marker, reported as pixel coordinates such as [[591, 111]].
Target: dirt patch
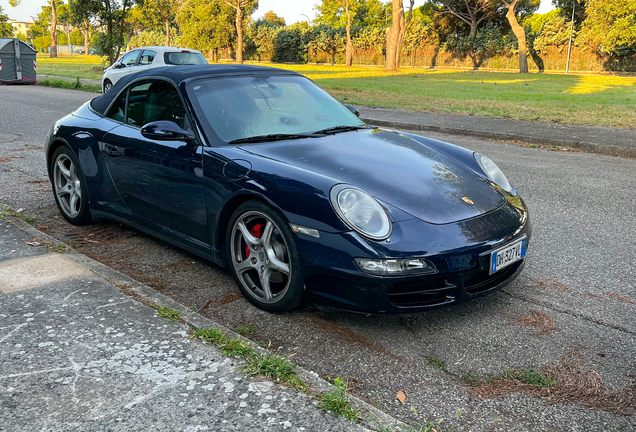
[[621, 298], [347, 335], [226, 299], [572, 384], [550, 283], [543, 322], [8, 159]]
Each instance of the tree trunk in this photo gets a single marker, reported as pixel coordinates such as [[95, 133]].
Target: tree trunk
[[239, 35], [86, 34], [53, 29], [393, 37], [349, 50], [520, 33], [167, 32]]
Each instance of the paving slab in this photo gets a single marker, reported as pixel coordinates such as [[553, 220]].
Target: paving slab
[[81, 355]]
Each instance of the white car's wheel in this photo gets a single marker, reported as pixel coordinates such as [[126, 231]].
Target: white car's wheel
[[107, 85]]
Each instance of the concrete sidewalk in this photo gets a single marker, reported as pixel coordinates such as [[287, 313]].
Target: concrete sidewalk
[[76, 353], [589, 138]]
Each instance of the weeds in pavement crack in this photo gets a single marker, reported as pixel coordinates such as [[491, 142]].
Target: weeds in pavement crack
[[271, 366], [336, 401], [169, 314]]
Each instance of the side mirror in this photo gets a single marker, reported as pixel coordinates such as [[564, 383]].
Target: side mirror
[[118, 65], [353, 110], [166, 131]]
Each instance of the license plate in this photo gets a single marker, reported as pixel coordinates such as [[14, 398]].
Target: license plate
[[509, 254]]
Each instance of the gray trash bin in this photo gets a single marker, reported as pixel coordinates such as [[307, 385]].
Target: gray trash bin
[[17, 62]]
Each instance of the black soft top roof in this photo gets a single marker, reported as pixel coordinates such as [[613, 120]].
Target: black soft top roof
[[178, 74]]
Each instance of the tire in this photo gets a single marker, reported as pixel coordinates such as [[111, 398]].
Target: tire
[[260, 247], [69, 187], [107, 86]]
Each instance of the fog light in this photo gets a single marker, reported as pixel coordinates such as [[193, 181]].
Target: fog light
[[311, 232], [396, 267]]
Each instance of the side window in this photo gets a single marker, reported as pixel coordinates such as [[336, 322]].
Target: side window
[[155, 101], [118, 110], [130, 59], [147, 57], [136, 104]]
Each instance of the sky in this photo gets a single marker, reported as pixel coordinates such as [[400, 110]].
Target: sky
[[291, 10]]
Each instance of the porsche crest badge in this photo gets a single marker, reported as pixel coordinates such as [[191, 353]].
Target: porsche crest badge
[[468, 200]]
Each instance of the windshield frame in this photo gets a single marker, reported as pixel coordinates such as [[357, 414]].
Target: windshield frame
[[214, 140]]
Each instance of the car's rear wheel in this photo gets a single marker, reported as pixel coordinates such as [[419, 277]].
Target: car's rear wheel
[[263, 258], [69, 187], [107, 85]]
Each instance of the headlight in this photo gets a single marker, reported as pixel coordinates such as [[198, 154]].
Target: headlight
[[396, 267], [360, 211], [493, 171]]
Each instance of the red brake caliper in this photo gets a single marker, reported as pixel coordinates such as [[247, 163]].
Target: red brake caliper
[[257, 232]]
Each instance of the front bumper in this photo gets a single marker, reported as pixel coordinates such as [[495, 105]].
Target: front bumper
[[459, 251]]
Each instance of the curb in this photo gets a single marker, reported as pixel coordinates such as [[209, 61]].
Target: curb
[[370, 416], [585, 146]]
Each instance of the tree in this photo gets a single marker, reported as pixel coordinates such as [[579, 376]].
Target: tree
[[349, 47], [335, 13], [66, 22], [517, 29], [327, 39], [158, 14], [240, 6], [263, 33], [564, 8], [53, 27], [274, 19], [5, 28], [473, 13], [207, 26], [83, 18], [395, 34], [111, 16], [610, 27]]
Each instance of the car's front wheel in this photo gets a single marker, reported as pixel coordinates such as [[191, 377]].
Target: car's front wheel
[[69, 188], [107, 85], [263, 258]]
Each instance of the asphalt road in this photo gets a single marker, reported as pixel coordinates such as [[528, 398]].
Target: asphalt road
[[579, 283]]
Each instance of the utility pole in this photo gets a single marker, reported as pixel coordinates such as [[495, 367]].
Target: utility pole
[[567, 67]]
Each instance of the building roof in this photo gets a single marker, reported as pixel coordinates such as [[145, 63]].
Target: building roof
[[179, 74]]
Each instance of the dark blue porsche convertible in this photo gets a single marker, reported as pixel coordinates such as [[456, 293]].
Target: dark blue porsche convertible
[[261, 170]]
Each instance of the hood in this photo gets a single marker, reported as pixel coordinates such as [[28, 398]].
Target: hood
[[394, 169]]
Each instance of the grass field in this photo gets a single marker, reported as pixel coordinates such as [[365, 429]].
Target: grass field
[[70, 66], [599, 100]]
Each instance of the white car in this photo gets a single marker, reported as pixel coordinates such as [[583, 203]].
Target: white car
[[149, 57]]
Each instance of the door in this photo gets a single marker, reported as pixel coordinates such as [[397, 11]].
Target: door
[[146, 60], [128, 65], [159, 181]]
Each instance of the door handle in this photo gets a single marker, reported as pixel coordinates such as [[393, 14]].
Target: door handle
[[111, 150]]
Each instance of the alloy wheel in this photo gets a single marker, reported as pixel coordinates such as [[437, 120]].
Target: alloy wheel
[[107, 86], [68, 187], [260, 257]]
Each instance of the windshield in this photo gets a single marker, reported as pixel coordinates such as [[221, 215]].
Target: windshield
[[184, 58], [241, 107]]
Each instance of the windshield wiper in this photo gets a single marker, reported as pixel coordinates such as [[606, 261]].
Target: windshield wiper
[[276, 137], [342, 128]]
